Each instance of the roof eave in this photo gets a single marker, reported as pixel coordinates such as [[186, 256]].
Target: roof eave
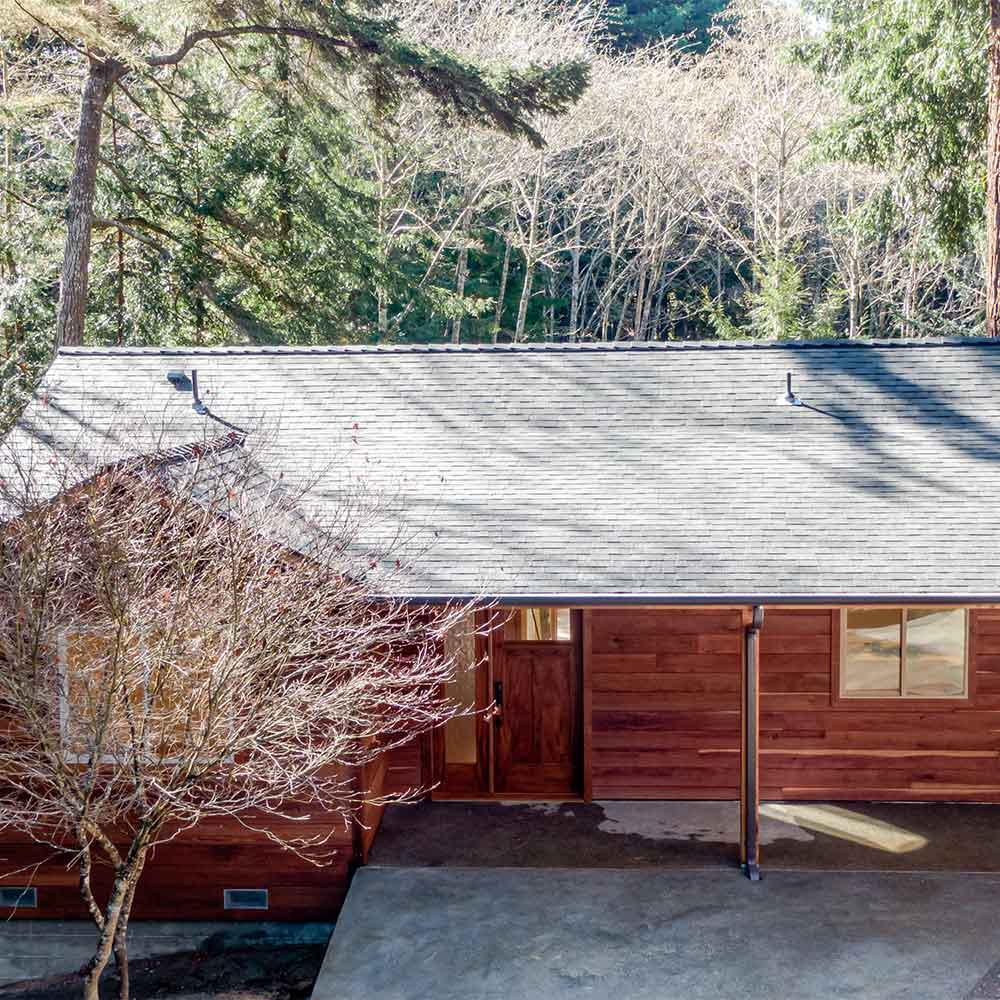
[[578, 600]]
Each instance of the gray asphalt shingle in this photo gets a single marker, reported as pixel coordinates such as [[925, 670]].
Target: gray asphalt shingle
[[615, 469]]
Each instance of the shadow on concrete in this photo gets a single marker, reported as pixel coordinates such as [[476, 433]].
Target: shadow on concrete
[[690, 835]]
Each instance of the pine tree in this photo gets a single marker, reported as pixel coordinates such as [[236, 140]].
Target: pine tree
[[119, 42], [635, 23], [921, 82]]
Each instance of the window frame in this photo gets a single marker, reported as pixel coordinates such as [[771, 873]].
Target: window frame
[[62, 664], [518, 620], [860, 702]]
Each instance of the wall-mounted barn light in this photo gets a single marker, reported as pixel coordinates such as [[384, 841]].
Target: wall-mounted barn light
[[182, 383], [789, 398]]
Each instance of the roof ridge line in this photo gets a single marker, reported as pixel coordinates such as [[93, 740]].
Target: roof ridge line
[[582, 347]]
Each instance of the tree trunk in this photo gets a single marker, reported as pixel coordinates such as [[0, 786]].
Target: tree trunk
[[639, 323], [852, 328], [574, 298], [522, 307], [661, 290], [993, 178], [383, 315], [111, 937], [80, 207], [94, 969], [502, 291], [121, 946], [462, 272], [529, 255]]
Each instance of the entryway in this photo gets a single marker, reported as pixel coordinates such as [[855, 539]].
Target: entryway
[[524, 681]]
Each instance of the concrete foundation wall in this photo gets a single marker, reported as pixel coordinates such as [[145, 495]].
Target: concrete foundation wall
[[30, 949]]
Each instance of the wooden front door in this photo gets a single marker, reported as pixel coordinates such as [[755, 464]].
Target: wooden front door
[[537, 730]]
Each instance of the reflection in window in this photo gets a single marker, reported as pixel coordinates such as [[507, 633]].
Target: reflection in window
[[904, 653], [872, 652], [540, 625], [935, 653]]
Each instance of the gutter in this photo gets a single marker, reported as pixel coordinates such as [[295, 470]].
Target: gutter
[[719, 600]]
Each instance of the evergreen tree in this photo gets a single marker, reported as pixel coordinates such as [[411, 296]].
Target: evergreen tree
[[635, 23], [921, 80], [123, 42]]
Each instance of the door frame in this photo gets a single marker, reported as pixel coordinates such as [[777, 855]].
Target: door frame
[[488, 650]]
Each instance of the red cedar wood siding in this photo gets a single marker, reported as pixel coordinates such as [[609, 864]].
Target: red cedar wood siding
[[665, 722], [665, 703], [665, 715], [185, 879], [812, 748]]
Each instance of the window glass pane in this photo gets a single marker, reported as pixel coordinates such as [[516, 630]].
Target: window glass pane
[[935, 653], [872, 641], [460, 733], [564, 629], [542, 625], [104, 693]]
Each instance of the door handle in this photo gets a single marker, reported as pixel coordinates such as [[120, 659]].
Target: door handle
[[497, 711]]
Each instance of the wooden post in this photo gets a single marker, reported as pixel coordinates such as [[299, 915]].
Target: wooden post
[[750, 747], [586, 644]]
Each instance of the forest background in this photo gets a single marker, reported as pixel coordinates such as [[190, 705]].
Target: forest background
[[741, 169]]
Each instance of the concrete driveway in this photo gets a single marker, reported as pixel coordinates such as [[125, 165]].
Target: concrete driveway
[[460, 934]]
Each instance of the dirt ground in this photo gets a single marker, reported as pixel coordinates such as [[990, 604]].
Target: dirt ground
[[285, 973]]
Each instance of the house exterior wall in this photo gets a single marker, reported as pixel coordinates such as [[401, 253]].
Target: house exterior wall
[[812, 748], [185, 879], [662, 706], [665, 703], [661, 721]]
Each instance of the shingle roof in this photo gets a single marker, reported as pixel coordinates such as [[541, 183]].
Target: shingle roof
[[638, 469], [222, 475]]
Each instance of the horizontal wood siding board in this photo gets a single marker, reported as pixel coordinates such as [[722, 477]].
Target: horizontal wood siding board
[[805, 681], [884, 793], [665, 688], [674, 683], [669, 740], [668, 701], [673, 722]]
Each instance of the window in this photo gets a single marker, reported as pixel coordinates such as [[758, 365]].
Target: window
[[904, 653], [101, 693], [540, 625], [19, 897], [141, 693]]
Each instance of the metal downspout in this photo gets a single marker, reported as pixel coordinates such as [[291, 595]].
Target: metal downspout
[[751, 747]]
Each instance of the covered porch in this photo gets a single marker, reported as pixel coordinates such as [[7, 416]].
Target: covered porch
[[809, 836], [809, 732]]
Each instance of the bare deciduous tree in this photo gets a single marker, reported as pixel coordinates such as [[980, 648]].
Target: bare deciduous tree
[[180, 641]]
